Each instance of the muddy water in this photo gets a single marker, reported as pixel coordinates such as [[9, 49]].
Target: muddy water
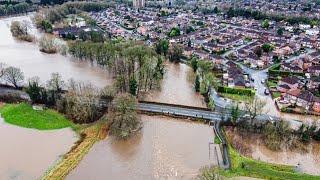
[[309, 160], [165, 149], [28, 153], [35, 63], [176, 89]]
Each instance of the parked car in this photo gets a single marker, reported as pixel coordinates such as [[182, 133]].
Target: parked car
[[252, 79], [266, 92], [263, 81]]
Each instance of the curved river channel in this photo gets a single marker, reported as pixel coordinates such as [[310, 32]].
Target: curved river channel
[[166, 147]]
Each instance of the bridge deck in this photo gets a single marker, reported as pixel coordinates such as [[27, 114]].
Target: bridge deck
[[179, 111]]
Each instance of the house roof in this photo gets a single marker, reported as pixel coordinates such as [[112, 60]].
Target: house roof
[[290, 80], [306, 95], [294, 92]]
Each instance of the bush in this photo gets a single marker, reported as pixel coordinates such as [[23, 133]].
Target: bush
[[246, 92], [12, 98], [275, 71], [80, 103], [47, 45], [20, 31]]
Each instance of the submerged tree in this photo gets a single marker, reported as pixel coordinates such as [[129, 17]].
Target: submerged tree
[[123, 118], [20, 31]]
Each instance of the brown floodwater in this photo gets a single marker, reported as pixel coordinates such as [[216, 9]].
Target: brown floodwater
[[166, 148], [35, 63], [309, 160], [175, 88], [27, 153]]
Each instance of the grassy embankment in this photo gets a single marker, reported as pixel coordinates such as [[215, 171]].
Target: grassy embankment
[[244, 166], [25, 116], [89, 135]]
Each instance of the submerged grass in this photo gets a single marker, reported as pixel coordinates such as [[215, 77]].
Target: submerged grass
[[244, 166], [25, 116]]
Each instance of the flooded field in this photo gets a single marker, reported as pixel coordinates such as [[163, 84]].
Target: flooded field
[[27, 153], [165, 149], [176, 89], [35, 63], [309, 161]]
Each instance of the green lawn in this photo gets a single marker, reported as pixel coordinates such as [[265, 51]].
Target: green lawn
[[271, 84], [276, 95], [243, 166], [237, 97], [23, 115]]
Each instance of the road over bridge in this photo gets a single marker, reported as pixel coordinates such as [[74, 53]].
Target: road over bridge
[[178, 110]]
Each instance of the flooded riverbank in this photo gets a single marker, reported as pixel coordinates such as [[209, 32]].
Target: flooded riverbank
[[175, 88], [253, 146], [28, 153], [165, 149], [35, 63]]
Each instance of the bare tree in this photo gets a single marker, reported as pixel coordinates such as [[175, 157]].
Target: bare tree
[[254, 108], [13, 75], [2, 68], [55, 83]]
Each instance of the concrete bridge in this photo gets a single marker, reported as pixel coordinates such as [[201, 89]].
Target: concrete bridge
[[179, 110]]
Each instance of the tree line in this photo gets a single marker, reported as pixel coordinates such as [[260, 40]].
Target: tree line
[[11, 8], [137, 68], [54, 14], [258, 15]]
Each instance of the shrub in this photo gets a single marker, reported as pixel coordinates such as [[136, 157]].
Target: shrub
[[20, 31], [48, 45], [246, 92]]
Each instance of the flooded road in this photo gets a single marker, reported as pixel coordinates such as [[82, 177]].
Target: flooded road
[[35, 63], [165, 149], [176, 89], [27, 153]]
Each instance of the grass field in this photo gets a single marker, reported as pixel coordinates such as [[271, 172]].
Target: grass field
[[236, 97], [243, 166], [23, 115]]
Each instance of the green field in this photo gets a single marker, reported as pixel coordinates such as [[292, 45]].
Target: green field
[[243, 166], [23, 115], [237, 97]]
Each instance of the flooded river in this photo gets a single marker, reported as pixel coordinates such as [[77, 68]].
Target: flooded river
[[35, 63], [253, 146], [176, 89], [27, 153], [165, 149]]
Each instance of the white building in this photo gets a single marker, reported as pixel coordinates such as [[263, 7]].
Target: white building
[[139, 3]]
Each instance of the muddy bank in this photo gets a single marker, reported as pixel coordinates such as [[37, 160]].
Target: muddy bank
[[165, 149], [254, 147]]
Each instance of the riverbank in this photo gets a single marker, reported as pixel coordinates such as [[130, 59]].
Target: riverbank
[[252, 150], [24, 115], [89, 135]]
